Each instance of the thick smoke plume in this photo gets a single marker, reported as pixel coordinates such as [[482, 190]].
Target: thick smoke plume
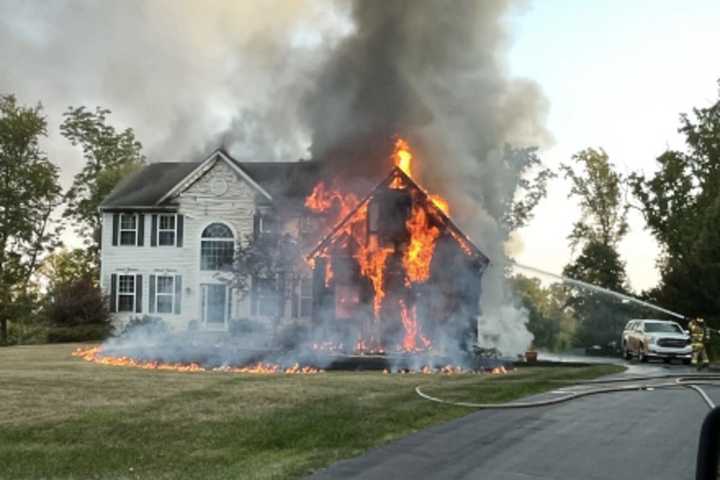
[[270, 79], [432, 72]]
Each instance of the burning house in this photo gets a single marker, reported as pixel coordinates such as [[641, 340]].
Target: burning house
[[385, 272], [394, 273]]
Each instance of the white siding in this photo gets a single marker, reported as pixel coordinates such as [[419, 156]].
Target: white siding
[[200, 206]]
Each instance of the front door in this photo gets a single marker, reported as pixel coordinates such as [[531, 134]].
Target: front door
[[214, 306]]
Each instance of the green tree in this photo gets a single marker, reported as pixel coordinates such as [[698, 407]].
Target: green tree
[[602, 225], [29, 192], [64, 266], [549, 319], [681, 206], [109, 156]]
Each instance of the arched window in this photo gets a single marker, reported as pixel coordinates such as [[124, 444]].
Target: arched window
[[217, 247]]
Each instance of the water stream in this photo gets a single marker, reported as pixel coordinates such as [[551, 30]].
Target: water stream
[[590, 286]]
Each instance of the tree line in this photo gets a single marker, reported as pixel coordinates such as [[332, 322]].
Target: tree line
[[47, 290], [680, 205], [55, 291]]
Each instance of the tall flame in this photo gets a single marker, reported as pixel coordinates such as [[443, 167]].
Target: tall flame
[[402, 156], [419, 252]]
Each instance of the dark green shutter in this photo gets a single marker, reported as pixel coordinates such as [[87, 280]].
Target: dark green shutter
[[115, 228], [138, 293], [178, 293], [113, 293], [253, 297], [151, 294], [153, 231], [141, 229], [180, 229]]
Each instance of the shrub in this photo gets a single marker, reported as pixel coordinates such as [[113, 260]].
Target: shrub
[[76, 302], [78, 333], [149, 325]]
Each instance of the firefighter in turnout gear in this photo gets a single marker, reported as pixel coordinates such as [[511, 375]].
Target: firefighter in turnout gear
[[699, 334]]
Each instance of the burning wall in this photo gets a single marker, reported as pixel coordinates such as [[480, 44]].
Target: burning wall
[[380, 277]]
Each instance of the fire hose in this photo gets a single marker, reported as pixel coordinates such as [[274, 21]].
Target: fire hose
[[687, 381], [706, 467]]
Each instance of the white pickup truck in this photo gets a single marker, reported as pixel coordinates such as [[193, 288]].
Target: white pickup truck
[[647, 339]]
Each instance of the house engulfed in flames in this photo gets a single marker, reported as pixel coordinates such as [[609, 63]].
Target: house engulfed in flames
[[388, 272], [394, 273]]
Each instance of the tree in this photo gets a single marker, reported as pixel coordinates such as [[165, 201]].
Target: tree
[[268, 263], [602, 225], [109, 155], [64, 266], [549, 319], [681, 206], [29, 192]]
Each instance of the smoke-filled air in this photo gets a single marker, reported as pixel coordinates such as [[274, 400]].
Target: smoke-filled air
[[335, 82]]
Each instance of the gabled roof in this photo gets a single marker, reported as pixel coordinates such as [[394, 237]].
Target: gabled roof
[[396, 172], [147, 186], [157, 184]]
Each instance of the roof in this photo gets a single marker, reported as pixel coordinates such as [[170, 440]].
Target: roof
[[151, 186], [453, 229], [147, 186]]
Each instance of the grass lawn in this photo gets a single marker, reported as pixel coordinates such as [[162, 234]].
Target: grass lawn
[[62, 417]]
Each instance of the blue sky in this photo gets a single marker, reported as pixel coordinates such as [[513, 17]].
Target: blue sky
[[617, 75]]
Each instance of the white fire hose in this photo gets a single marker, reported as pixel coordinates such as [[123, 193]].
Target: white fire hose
[[689, 381]]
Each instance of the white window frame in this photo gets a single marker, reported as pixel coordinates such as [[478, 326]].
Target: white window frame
[[159, 229], [134, 230], [158, 294], [132, 294], [217, 239]]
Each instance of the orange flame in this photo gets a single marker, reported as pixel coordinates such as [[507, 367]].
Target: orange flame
[[418, 255], [402, 156], [96, 355]]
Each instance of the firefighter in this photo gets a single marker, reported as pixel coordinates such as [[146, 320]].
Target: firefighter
[[698, 336]]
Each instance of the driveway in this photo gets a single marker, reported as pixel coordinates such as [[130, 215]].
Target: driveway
[[629, 435]]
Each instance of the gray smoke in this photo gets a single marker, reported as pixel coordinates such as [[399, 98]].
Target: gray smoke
[[268, 79], [432, 71]]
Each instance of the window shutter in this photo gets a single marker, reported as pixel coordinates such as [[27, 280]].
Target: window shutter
[[253, 297], [115, 228], [138, 293], [141, 230], [153, 232], [113, 293], [256, 225], [151, 294], [230, 303], [294, 307], [180, 228], [178, 293]]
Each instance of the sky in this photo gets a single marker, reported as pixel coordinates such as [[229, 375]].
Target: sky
[[616, 74]]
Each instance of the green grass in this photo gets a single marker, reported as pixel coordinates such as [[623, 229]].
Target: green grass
[[61, 417]]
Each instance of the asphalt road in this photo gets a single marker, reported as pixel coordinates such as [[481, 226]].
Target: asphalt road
[[629, 435]]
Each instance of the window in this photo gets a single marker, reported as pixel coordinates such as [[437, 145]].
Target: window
[[126, 293], [306, 297], [164, 293], [128, 229], [166, 230], [217, 247], [266, 297]]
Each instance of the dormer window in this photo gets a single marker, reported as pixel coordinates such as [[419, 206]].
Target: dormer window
[[166, 230], [128, 229]]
